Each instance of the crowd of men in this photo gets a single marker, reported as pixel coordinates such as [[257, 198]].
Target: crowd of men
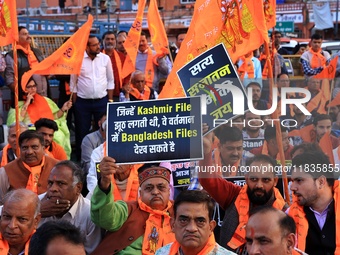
[[51, 205]]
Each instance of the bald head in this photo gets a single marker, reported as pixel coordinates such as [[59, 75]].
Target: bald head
[[19, 218], [270, 231], [19, 195]]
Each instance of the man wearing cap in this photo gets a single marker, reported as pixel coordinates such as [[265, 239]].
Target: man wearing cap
[[141, 226]]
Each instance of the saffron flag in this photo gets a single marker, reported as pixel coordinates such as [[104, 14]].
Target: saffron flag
[[306, 133], [132, 41], [326, 146], [159, 38], [8, 22], [335, 101], [240, 27], [269, 10], [67, 59], [325, 92]]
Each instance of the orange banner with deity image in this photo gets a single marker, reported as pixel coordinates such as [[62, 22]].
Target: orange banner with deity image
[[269, 10], [159, 38], [8, 22], [240, 27]]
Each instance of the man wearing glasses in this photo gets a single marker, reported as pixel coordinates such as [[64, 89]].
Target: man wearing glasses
[[92, 90]]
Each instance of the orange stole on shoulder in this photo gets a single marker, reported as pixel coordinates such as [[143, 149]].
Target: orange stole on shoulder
[[4, 247], [207, 248], [39, 109], [242, 206], [158, 223], [132, 186], [149, 71], [297, 213], [145, 96]]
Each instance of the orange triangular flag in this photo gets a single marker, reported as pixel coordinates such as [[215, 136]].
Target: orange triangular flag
[[328, 71], [304, 133], [159, 38], [8, 22], [65, 60], [326, 146], [335, 101], [241, 28], [132, 41]]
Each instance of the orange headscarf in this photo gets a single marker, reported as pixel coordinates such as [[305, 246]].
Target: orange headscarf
[[158, 230], [39, 109]]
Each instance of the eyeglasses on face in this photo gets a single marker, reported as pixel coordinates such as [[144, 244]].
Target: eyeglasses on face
[[31, 86]]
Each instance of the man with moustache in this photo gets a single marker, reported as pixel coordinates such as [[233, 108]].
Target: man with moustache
[[253, 126], [151, 67], [228, 153], [19, 219], [8, 153], [315, 59], [193, 226], [270, 146], [92, 90], [46, 127], [237, 201], [28, 57], [63, 200], [315, 207], [141, 226], [117, 60], [270, 231], [121, 38], [31, 169], [258, 103]]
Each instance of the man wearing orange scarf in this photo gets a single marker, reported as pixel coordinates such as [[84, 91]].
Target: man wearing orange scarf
[[139, 90], [270, 231], [249, 69], [193, 226], [117, 60], [228, 153], [238, 201], [316, 206], [8, 153], [141, 226], [314, 60], [27, 58], [154, 67], [19, 219], [31, 170]]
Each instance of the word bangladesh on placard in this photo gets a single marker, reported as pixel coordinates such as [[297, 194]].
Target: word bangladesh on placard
[[155, 130]]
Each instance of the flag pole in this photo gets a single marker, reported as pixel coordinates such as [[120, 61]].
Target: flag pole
[[278, 129], [16, 93]]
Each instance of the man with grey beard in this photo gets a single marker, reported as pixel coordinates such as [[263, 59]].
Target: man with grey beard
[[117, 60]]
